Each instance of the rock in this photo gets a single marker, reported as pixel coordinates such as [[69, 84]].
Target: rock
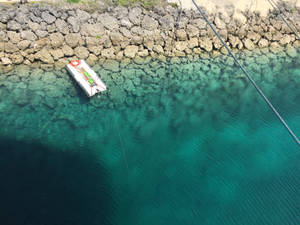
[[22, 45], [131, 51], [34, 26], [74, 23], [167, 22], [13, 25], [62, 26], [262, 60], [41, 33], [206, 44], [249, 44], [16, 58], [192, 31], [158, 49], [67, 50], [95, 50], [286, 39], [92, 41], [81, 52], [109, 22], [180, 45], [291, 51], [135, 15], [47, 17], [199, 23], [83, 16], [111, 65], [116, 38], [275, 47], [253, 36], [56, 39], [72, 39], [108, 53], [181, 35], [28, 35], [6, 61], [219, 23], [14, 36], [149, 23], [125, 22], [93, 30], [44, 56], [263, 43], [57, 53], [92, 59], [49, 78], [10, 47], [193, 42]]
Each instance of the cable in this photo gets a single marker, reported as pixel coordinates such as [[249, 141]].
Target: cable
[[276, 8], [249, 77]]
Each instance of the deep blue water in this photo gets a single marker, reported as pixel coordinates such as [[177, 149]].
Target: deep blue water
[[189, 143]]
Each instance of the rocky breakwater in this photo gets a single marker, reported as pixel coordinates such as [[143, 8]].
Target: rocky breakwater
[[44, 35]]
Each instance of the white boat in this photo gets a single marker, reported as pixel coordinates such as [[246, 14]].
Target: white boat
[[86, 77]]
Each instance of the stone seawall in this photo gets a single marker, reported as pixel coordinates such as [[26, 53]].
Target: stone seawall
[[44, 35]]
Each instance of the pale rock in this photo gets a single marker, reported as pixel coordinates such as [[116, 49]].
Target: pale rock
[[62, 26], [14, 36], [193, 42], [72, 39], [108, 53], [263, 43], [10, 47], [206, 44], [28, 35], [67, 50], [81, 52], [158, 49], [109, 22], [219, 23], [291, 51], [180, 45], [44, 56], [48, 18], [92, 59], [192, 31], [41, 33], [131, 51], [249, 44], [13, 25], [16, 58], [83, 16], [57, 53], [149, 23], [135, 15], [23, 44], [181, 35], [6, 61], [286, 39], [56, 39]]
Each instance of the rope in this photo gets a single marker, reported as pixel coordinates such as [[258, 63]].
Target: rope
[[249, 77], [280, 13]]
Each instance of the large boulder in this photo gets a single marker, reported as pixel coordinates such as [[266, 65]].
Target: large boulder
[[248, 44], [13, 25], [135, 15]]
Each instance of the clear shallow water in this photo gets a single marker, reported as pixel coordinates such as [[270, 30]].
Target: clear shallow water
[[188, 143]]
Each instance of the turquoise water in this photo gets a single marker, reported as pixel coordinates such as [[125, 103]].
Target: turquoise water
[[187, 142]]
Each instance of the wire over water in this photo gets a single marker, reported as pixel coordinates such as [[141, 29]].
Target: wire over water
[[249, 77], [276, 8]]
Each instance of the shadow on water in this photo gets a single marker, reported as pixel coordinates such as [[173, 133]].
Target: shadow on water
[[47, 186]]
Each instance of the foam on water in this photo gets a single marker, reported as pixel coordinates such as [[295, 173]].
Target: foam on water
[[188, 143]]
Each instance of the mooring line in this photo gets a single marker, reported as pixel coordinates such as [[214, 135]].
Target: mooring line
[[248, 76], [280, 13]]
